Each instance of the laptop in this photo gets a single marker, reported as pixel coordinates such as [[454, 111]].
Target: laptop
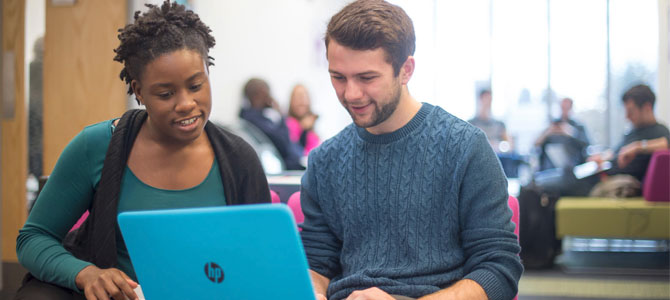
[[238, 252], [590, 168]]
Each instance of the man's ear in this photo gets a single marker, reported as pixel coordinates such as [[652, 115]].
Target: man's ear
[[137, 90], [648, 107], [406, 70]]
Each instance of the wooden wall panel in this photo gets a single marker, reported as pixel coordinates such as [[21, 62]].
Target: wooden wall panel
[[14, 132], [81, 80]]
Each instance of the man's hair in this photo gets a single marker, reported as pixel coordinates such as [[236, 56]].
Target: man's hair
[[253, 86], [158, 31], [640, 94], [484, 92], [371, 24]]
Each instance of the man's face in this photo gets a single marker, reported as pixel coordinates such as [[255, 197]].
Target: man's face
[[485, 101], [364, 83], [260, 98], [566, 107], [633, 113]]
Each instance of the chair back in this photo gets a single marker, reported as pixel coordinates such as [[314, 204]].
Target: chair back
[[274, 196], [657, 179], [513, 204], [294, 204]]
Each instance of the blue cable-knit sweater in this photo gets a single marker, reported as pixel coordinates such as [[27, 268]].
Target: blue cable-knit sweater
[[410, 212]]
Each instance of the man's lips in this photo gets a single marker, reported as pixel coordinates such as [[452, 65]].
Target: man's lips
[[359, 108]]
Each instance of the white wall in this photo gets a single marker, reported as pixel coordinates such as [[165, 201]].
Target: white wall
[[663, 93], [279, 41]]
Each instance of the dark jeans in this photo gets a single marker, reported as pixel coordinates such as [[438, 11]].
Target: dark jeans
[[35, 289], [563, 182]]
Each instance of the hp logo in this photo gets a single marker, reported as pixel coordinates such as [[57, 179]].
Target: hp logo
[[214, 272]]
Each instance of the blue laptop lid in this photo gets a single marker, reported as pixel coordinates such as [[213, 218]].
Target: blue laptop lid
[[237, 252]]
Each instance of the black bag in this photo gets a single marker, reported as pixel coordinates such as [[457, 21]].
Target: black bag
[[537, 227]]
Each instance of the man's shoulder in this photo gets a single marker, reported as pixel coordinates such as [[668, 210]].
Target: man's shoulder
[[662, 128], [452, 124]]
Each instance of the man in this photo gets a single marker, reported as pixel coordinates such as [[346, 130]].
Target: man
[[495, 130], [633, 156], [263, 112], [630, 159], [566, 133], [408, 201]]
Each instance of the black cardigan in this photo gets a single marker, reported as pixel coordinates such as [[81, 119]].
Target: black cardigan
[[244, 182]]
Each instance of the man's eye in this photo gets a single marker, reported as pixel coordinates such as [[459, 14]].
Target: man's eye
[[196, 87]]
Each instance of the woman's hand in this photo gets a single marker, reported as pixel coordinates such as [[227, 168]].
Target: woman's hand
[[105, 284], [307, 122]]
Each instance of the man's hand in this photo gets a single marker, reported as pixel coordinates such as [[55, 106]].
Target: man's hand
[[600, 158], [370, 294], [627, 153], [320, 284], [462, 289], [105, 284], [320, 297]]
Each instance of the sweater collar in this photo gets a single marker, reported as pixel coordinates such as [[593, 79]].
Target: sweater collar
[[390, 137]]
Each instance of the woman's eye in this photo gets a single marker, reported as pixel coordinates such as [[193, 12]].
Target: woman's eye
[[165, 95], [196, 87]]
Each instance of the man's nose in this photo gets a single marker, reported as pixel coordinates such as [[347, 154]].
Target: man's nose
[[352, 91]]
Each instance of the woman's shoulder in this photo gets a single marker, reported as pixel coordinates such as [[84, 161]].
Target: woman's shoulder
[[94, 139], [104, 128]]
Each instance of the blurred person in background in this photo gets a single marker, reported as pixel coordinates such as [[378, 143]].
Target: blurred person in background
[[262, 111], [495, 130], [301, 120], [568, 135], [633, 155]]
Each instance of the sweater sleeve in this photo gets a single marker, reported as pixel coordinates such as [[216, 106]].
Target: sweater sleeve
[[490, 246], [321, 245], [65, 197]]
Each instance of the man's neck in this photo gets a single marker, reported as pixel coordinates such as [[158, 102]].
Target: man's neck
[[646, 122], [484, 115]]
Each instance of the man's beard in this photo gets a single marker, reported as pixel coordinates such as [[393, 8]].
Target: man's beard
[[382, 113]]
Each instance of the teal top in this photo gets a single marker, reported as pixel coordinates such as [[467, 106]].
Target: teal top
[[69, 193]]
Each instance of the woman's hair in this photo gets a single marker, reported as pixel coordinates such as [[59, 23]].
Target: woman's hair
[[158, 31]]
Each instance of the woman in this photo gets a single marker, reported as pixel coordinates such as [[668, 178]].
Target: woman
[[301, 120], [167, 156]]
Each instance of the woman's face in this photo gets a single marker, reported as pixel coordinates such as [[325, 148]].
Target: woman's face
[[300, 103], [176, 92]]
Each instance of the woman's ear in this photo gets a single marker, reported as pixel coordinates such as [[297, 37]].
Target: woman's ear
[[137, 90]]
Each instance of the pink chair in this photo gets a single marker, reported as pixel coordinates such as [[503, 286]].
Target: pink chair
[[275, 197], [655, 187], [513, 204], [294, 204]]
